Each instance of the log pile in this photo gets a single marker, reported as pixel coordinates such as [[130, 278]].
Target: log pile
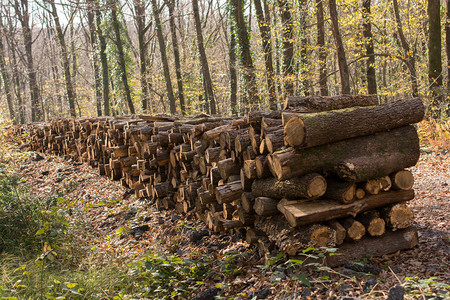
[[326, 171]]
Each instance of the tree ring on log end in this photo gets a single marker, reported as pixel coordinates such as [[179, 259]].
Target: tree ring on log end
[[294, 131]]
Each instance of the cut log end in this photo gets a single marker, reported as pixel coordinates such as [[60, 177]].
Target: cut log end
[[294, 132]]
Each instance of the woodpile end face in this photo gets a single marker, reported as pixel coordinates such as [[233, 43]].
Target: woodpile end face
[[326, 171]]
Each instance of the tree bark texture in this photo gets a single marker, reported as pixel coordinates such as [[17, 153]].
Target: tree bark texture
[[370, 63], [322, 49], [364, 157], [309, 130], [310, 104]]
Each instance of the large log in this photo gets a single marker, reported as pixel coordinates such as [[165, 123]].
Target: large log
[[304, 213], [308, 186], [229, 192], [292, 240], [309, 130], [326, 103], [366, 157]]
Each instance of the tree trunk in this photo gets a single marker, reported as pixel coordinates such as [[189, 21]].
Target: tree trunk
[[203, 59], [322, 49], [95, 58], [304, 213], [264, 29], [233, 73], [434, 55], [250, 87], [21, 9], [285, 7], [176, 54], [408, 55], [121, 54], [340, 51], [3, 70], [142, 28], [380, 154], [370, 64], [103, 59], [17, 83], [308, 130]]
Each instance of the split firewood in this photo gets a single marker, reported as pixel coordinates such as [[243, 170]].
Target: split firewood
[[341, 191], [229, 192], [316, 211]]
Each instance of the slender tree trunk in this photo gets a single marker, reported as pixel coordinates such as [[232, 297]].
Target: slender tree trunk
[[74, 62], [5, 77], [16, 79], [176, 54], [203, 59], [288, 46], [342, 61], [95, 66], [322, 50], [103, 59], [139, 8], [162, 49], [264, 29], [64, 59], [237, 12], [303, 63], [21, 9], [434, 55], [121, 54], [447, 49], [367, 32], [233, 73], [408, 55]]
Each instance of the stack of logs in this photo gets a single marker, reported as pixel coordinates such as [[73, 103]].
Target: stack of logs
[[322, 172]]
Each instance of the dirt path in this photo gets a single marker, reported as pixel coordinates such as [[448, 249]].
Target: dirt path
[[121, 226]]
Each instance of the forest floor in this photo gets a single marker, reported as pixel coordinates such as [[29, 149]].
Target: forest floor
[[110, 227]]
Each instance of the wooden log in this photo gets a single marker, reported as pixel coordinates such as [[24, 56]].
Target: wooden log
[[228, 167], [309, 186], [360, 193], [341, 232], [355, 230], [304, 213], [292, 240], [275, 140], [402, 180], [372, 187], [341, 191], [386, 183], [215, 132], [375, 226], [248, 219], [398, 216], [388, 243], [265, 206], [212, 154], [245, 181], [250, 169], [262, 166], [247, 201], [232, 224], [314, 129], [241, 142], [229, 192], [326, 103], [376, 155]]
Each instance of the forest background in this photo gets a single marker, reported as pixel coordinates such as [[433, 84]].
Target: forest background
[[110, 57]]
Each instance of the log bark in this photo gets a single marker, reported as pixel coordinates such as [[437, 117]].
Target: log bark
[[229, 192], [357, 159], [265, 206], [309, 130], [247, 201], [292, 240], [326, 103], [343, 192], [316, 211], [275, 140], [309, 186], [228, 167], [262, 166]]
